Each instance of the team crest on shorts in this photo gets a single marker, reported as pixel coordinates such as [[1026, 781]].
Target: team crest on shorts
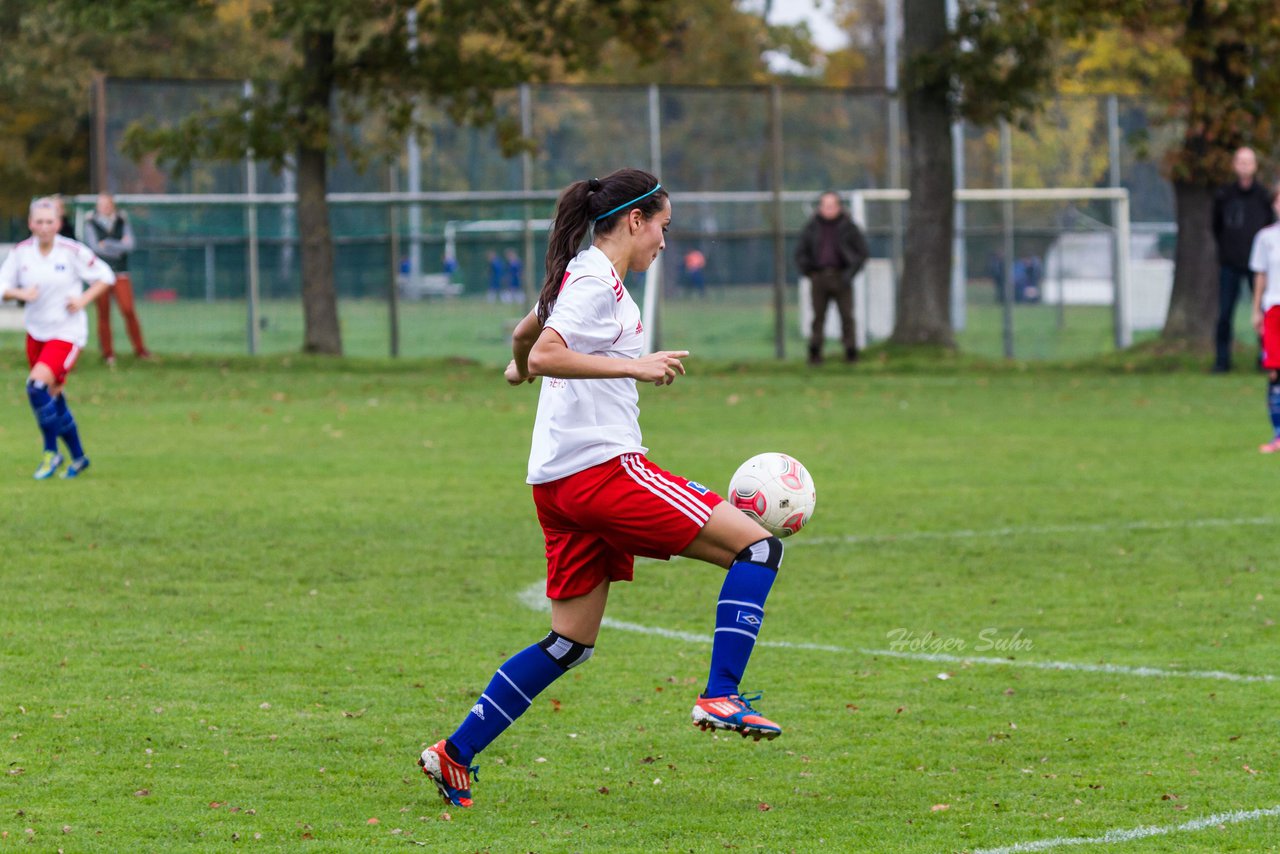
[[697, 487]]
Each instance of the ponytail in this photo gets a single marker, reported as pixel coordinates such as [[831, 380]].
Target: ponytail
[[597, 204]]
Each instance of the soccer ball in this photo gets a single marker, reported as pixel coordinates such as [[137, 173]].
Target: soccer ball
[[776, 491]]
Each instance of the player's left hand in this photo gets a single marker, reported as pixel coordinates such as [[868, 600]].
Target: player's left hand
[[74, 304]]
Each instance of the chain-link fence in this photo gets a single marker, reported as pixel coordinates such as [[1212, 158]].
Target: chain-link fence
[[458, 260]]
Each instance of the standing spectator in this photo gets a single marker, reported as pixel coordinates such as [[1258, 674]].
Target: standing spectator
[[831, 252], [66, 228], [695, 272], [515, 284], [1240, 210], [110, 236], [497, 270]]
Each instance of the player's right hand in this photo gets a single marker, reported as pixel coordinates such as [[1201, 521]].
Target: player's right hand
[[29, 294], [1257, 321], [659, 368], [513, 375]]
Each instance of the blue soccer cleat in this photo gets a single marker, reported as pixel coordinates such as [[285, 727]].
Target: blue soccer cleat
[[75, 468], [734, 713], [451, 778], [52, 460]]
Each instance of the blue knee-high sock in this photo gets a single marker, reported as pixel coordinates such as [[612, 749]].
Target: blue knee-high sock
[[67, 427], [46, 412], [1273, 405], [511, 691], [739, 614]]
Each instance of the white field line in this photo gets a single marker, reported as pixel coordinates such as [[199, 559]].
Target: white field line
[[532, 597], [1114, 836], [1035, 530]]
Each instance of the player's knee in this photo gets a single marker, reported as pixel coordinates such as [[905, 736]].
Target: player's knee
[[1273, 377], [564, 651], [766, 552]]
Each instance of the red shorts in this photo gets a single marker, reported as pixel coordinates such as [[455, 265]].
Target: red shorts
[[59, 356], [1271, 339], [595, 521]]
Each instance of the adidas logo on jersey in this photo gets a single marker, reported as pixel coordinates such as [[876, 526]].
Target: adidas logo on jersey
[[478, 710]]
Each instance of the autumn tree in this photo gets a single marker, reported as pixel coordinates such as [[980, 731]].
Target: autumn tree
[[350, 59], [55, 47]]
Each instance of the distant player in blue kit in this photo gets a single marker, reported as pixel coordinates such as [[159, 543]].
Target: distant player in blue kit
[[599, 499], [48, 272], [1264, 261]]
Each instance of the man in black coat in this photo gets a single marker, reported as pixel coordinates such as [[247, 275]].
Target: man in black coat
[[1240, 210], [832, 250]]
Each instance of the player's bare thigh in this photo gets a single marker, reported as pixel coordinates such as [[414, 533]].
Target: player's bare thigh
[[42, 373], [725, 535], [579, 618]]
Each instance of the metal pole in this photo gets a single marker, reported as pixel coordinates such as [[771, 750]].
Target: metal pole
[[413, 167], [1113, 140], [1124, 314], [100, 175], [526, 184], [959, 246], [861, 282], [655, 166], [393, 289], [892, 38], [779, 236], [1006, 224], [251, 226], [209, 273]]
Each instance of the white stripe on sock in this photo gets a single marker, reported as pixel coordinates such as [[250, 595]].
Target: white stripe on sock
[[510, 720], [515, 687], [738, 631], [759, 608]]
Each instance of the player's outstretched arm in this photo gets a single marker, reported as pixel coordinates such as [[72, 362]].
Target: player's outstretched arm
[[551, 357]]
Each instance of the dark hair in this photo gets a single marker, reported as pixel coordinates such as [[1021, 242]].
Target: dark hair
[[576, 212]]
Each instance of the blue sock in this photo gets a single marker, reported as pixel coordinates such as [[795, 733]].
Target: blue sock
[[511, 691], [739, 614], [67, 427], [1273, 404], [46, 412]]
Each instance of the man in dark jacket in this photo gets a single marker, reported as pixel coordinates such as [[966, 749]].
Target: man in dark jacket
[[1240, 210], [831, 252]]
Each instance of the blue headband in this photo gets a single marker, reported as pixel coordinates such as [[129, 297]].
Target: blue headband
[[628, 204]]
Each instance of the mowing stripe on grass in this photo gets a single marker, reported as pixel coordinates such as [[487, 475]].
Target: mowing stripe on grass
[[1034, 530], [532, 597], [1113, 836]]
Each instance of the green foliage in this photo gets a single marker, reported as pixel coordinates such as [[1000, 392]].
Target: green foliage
[[282, 577], [386, 61], [55, 49]]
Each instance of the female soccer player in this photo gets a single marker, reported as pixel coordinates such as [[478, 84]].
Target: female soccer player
[[47, 272], [600, 501], [1264, 261]]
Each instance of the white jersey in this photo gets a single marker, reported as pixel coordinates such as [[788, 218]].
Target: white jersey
[[1265, 258], [60, 276], [582, 423]]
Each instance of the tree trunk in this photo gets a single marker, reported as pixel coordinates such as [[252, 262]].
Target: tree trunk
[[923, 303], [1193, 305], [322, 333]]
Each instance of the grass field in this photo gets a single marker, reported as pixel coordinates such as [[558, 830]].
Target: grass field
[[282, 578], [726, 325]]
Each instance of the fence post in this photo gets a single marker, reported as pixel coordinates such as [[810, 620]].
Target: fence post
[[251, 226], [393, 291], [531, 279], [655, 166], [1006, 225], [779, 235]]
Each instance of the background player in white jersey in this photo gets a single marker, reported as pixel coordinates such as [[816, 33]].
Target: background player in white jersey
[[599, 500], [1264, 261], [48, 273]]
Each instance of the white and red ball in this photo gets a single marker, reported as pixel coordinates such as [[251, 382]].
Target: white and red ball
[[775, 490]]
